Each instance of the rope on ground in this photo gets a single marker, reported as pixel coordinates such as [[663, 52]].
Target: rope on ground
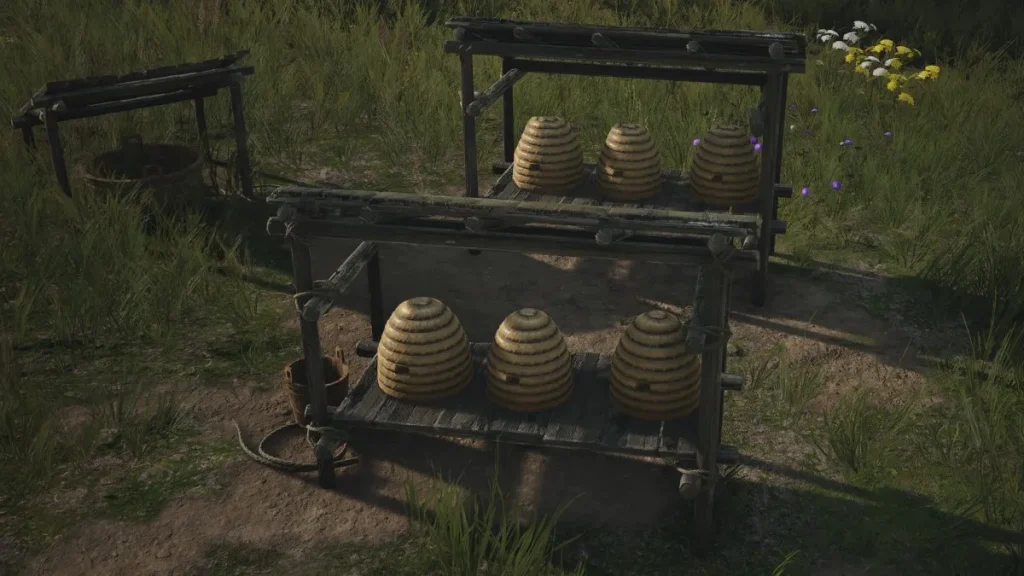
[[261, 456]]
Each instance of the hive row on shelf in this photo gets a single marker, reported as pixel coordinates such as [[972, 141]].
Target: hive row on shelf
[[424, 356], [549, 160]]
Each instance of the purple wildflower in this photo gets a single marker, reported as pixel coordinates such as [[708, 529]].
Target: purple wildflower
[[808, 131], [696, 141], [846, 142], [805, 191], [887, 134], [792, 106], [753, 139], [837, 185], [757, 147]]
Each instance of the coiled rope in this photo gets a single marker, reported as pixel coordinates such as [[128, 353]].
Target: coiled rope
[[261, 456]]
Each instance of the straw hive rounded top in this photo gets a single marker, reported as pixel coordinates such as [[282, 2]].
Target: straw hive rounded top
[[725, 168], [529, 365], [549, 157], [653, 376], [630, 165], [424, 352]]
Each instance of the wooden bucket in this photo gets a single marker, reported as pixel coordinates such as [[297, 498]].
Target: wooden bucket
[[336, 373]]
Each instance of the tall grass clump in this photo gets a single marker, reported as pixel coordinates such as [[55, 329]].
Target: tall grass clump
[[927, 190], [468, 535], [981, 437], [860, 434]]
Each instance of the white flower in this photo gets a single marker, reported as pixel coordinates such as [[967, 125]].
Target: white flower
[[792, 127], [867, 64], [851, 37], [879, 72], [861, 25], [825, 36], [889, 62], [873, 59], [840, 45]]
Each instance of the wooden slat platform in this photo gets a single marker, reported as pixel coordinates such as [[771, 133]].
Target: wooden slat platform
[[587, 421]]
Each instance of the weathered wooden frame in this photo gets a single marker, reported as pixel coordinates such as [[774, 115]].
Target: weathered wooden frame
[[760, 59], [716, 243], [64, 100]]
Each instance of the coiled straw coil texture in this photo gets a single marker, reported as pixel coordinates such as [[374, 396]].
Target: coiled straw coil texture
[[549, 157], [652, 375], [529, 368], [424, 354], [629, 167], [725, 170]]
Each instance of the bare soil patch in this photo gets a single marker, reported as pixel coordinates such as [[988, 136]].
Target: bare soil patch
[[591, 301]]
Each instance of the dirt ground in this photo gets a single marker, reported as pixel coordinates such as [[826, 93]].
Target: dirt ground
[[591, 301]]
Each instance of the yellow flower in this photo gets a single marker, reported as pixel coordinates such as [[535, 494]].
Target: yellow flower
[[853, 55], [896, 81], [894, 64], [904, 51], [923, 75], [933, 71], [905, 98], [864, 71], [887, 44], [877, 49]]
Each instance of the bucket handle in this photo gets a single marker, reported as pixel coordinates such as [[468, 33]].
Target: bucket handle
[[339, 354]]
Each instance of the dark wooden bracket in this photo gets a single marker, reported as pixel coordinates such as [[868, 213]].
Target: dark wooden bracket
[[602, 41], [483, 225], [520, 33], [609, 236], [488, 97]]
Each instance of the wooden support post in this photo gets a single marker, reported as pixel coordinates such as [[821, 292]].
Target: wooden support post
[[710, 411], [508, 118], [204, 135], [29, 136], [469, 129], [376, 297], [725, 356], [468, 125], [241, 138], [774, 105], [56, 148], [302, 268], [784, 86]]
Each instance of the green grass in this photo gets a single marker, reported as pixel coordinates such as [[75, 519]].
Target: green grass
[[110, 313]]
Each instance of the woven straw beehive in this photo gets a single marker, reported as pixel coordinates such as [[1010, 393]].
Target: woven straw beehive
[[549, 157], [630, 166], [725, 170], [528, 366], [652, 376], [423, 354]]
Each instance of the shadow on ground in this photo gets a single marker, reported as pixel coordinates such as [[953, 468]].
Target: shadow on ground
[[585, 296], [630, 520]]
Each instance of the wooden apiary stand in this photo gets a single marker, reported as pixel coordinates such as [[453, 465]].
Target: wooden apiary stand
[[100, 95], [668, 229], [763, 59], [712, 242]]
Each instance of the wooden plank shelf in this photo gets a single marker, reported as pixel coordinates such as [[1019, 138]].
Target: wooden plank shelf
[[587, 421], [729, 49], [675, 195]]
